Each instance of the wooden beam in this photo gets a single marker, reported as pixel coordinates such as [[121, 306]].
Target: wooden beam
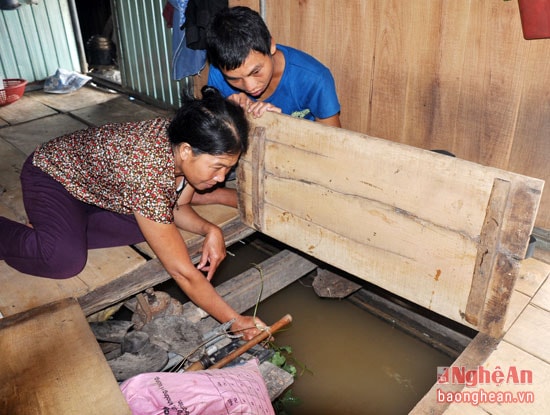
[[487, 251], [427, 330], [258, 176], [503, 243], [516, 228]]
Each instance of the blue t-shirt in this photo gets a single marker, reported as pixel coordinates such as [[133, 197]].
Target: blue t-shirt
[[306, 90]]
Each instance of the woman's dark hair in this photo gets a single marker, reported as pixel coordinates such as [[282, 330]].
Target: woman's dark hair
[[211, 125], [232, 34]]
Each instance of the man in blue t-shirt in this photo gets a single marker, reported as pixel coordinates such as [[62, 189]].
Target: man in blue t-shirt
[[248, 67]]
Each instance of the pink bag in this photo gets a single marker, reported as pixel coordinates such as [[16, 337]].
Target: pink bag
[[235, 390]]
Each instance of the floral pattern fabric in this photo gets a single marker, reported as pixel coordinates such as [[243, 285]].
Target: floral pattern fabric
[[124, 168]]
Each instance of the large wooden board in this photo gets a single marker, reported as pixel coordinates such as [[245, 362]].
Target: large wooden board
[[51, 364], [417, 223]]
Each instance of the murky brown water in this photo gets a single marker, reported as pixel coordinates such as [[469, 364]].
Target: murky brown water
[[359, 364]]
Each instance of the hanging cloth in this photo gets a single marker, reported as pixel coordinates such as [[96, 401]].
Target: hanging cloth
[[185, 61], [197, 18]]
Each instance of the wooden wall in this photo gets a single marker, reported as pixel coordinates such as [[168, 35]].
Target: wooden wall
[[454, 75]]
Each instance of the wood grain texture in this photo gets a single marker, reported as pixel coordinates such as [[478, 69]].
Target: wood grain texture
[[52, 364], [436, 75], [487, 251]]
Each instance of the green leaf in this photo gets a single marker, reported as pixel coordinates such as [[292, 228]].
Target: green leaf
[[286, 349], [290, 369], [278, 359]]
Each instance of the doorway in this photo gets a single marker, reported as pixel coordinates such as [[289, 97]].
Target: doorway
[[100, 40]]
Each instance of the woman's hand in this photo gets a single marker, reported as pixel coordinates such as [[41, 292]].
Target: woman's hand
[[213, 247], [248, 326], [213, 252]]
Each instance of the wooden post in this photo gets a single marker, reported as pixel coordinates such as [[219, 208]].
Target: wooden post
[[487, 251], [504, 238], [257, 152]]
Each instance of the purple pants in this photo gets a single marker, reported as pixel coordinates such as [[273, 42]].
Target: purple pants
[[64, 228]]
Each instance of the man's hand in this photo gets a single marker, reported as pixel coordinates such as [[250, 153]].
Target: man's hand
[[255, 108]]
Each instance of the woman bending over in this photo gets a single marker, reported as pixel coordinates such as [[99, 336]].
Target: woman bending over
[[122, 184]]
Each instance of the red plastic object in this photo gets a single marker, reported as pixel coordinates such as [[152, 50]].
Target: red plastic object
[[535, 18], [13, 90]]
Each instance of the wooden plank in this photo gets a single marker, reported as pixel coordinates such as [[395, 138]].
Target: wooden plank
[[10, 168], [276, 379], [531, 332], [427, 330], [27, 109], [498, 263], [489, 95], [405, 219], [518, 303], [507, 356], [10, 186], [516, 227], [381, 226], [258, 174], [439, 287], [533, 273], [542, 298], [421, 183], [531, 145], [487, 251], [51, 364], [26, 137], [462, 409], [435, 97]]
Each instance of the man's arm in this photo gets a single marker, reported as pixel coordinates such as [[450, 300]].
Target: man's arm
[[333, 121]]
